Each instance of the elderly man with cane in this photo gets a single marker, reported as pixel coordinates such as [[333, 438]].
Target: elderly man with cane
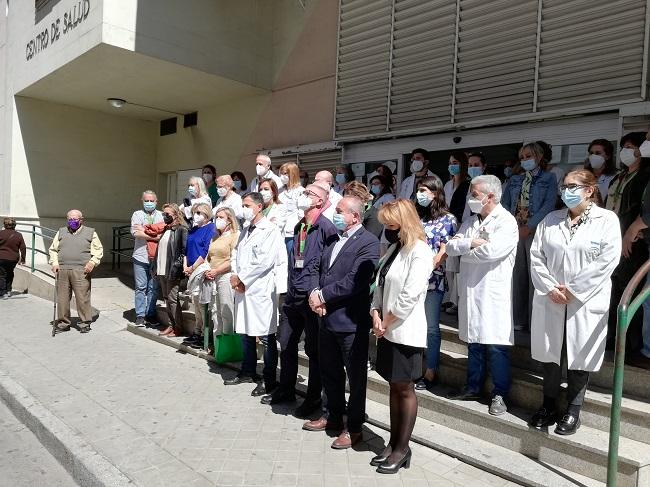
[[74, 253]]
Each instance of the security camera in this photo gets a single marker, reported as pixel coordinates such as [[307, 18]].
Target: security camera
[[457, 139]]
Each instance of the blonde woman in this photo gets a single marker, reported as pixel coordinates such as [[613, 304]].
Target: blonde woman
[[196, 193], [291, 192], [399, 321], [219, 252]]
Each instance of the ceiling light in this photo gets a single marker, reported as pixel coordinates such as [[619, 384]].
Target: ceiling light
[[116, 102]]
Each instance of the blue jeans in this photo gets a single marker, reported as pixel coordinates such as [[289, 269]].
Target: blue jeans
[[645, 349], [499, 357], [249, 362], [146, 289], [288, 241], [432, 311]]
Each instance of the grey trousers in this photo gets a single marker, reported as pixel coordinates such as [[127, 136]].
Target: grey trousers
[[169, 288]]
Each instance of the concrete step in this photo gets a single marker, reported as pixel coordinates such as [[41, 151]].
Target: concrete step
[[637, 380], [526, 393]]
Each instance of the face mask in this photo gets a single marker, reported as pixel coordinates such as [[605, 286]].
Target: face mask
[[627, 156], [222, 191], [507, 171], [475, 205], [645, 149], [474, 171], [304, 202], [266, 195], [454, 169], [340, 178], [261, 170], [237, 184], [284, 178], [375, 189], [208, 177], [416, 165], [248, 214], [168, 219], [149, 205], [424, 199], [198, 218], [339, 221], [596, 161], [191, 190], [391, 235], [572, 197], [220, 223], [528, 164], [74, 225]]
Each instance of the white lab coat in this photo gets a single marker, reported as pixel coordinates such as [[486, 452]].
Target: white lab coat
[[404, 292], [584, 265], [289, 198], [233, 201], [408, 186], [254, 261], [255, 183], [187, 210], [485, 277]]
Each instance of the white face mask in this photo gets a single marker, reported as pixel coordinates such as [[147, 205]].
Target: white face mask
[[284, 178], [304, 202], [191, 190], [596, 161], [198, 218], [627, 156], [416, 165], [645, 149], [220, 223], [261, 170], [266, 195], [248, 214], [222, 191], [475, 205]]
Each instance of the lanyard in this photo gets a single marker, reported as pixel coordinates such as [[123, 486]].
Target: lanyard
[[302, 237], [266, 211]]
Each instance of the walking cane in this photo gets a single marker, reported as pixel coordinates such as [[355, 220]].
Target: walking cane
[[56, 280]]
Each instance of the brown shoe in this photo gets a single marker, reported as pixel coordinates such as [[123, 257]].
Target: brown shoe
[[321, 424], [639, 360], [346, 440], [166, 331]]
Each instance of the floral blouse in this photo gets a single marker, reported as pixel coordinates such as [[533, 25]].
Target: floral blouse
[[439, 231]]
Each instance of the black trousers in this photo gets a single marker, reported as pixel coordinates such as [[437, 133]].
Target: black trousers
[[6, 275], [297, 318], [576, 383], [340, 353]]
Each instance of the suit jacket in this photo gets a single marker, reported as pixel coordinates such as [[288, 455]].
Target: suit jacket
[[345, 284]]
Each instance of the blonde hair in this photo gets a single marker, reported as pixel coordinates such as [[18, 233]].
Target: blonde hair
[[403, 213], [179, 218], [204, 209], [357, 190], [292, 170], [201, 184], [230, 215]]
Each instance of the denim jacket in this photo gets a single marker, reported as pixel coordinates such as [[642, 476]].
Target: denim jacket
[[543, 195]]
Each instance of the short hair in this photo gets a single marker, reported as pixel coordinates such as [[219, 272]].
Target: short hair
[[608, 148], [423, 152], [356, 206], [255, 197], [227, 180], [199, 181], [274, 188], [356, 189], [636, 138], [179, 218], [327, 174], [265, 158], [239, 175], [203, 208], [291, 168], [149, 192], [402, 212], [322, 192], [9, 223], [211, 168], [489, 184], [76, 211], [230, 214], [480, 155]]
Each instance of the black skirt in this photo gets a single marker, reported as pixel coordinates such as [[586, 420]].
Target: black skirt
[[397, 362]]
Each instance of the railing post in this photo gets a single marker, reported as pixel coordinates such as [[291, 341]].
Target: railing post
[[33, 247], [617, 395]]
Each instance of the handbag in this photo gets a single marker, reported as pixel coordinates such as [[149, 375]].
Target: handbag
[[228, 348]]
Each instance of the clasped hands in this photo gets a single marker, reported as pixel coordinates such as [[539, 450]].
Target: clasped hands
[[379, 326], [316, 303], [560, 294], [237, 284]]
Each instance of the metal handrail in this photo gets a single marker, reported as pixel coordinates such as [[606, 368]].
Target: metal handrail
[[33, 248], [119, 233], [626, 311]]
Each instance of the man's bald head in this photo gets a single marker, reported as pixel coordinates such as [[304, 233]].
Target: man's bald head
[[225, 181], [324, 176]]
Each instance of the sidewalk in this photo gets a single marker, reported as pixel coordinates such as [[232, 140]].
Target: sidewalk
[[166, 419]]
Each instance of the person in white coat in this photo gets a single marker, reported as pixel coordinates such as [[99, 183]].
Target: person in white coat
[[400, 323], [228, 197], [419, 170], [263, 171], [289, 196], [487, 245], [573, 256], [254, 281]]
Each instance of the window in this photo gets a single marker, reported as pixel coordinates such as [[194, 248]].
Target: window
[[43, 8]]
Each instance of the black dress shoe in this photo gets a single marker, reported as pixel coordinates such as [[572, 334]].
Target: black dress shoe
[[543, 418], [382, 457], [568, 425], [278, 397], [306, 408], [464, 395], [405, 462], [238, 380], [424, 384], [259, 390]]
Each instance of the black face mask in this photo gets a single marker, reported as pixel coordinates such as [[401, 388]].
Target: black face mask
[[168, 219], [391, 235]]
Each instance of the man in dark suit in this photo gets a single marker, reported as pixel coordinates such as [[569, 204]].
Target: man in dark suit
[[343, 303]]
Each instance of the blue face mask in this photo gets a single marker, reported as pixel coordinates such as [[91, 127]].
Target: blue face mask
[[572, 197], [340, 178], [454, 169], [149, 205], [375, 189], [528, 164], [507, 171], [474, 171], [339, 221], [237, 184]]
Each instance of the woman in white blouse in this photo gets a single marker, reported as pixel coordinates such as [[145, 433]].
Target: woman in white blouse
[[291, 191], [399, 322]]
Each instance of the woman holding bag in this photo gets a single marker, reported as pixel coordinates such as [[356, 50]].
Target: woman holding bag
[[399, 321]]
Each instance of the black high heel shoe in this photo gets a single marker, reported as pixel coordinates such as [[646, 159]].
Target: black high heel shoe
[[405, 462], [381, 458]]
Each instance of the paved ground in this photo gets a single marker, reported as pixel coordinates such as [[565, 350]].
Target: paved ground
[[23, 460], [166, 419]]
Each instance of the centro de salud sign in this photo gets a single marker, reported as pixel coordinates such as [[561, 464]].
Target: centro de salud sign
[[61, 26]]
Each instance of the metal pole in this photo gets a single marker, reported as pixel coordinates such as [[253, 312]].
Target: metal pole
[[617, 394], [33, 246]]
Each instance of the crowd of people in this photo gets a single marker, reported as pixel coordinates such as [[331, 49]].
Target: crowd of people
[[363, 270]]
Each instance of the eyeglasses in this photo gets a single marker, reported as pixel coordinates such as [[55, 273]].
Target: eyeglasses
[[571, 186]]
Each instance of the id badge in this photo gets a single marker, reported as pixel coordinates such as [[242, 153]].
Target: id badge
[[483, 234], [300, 263]]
